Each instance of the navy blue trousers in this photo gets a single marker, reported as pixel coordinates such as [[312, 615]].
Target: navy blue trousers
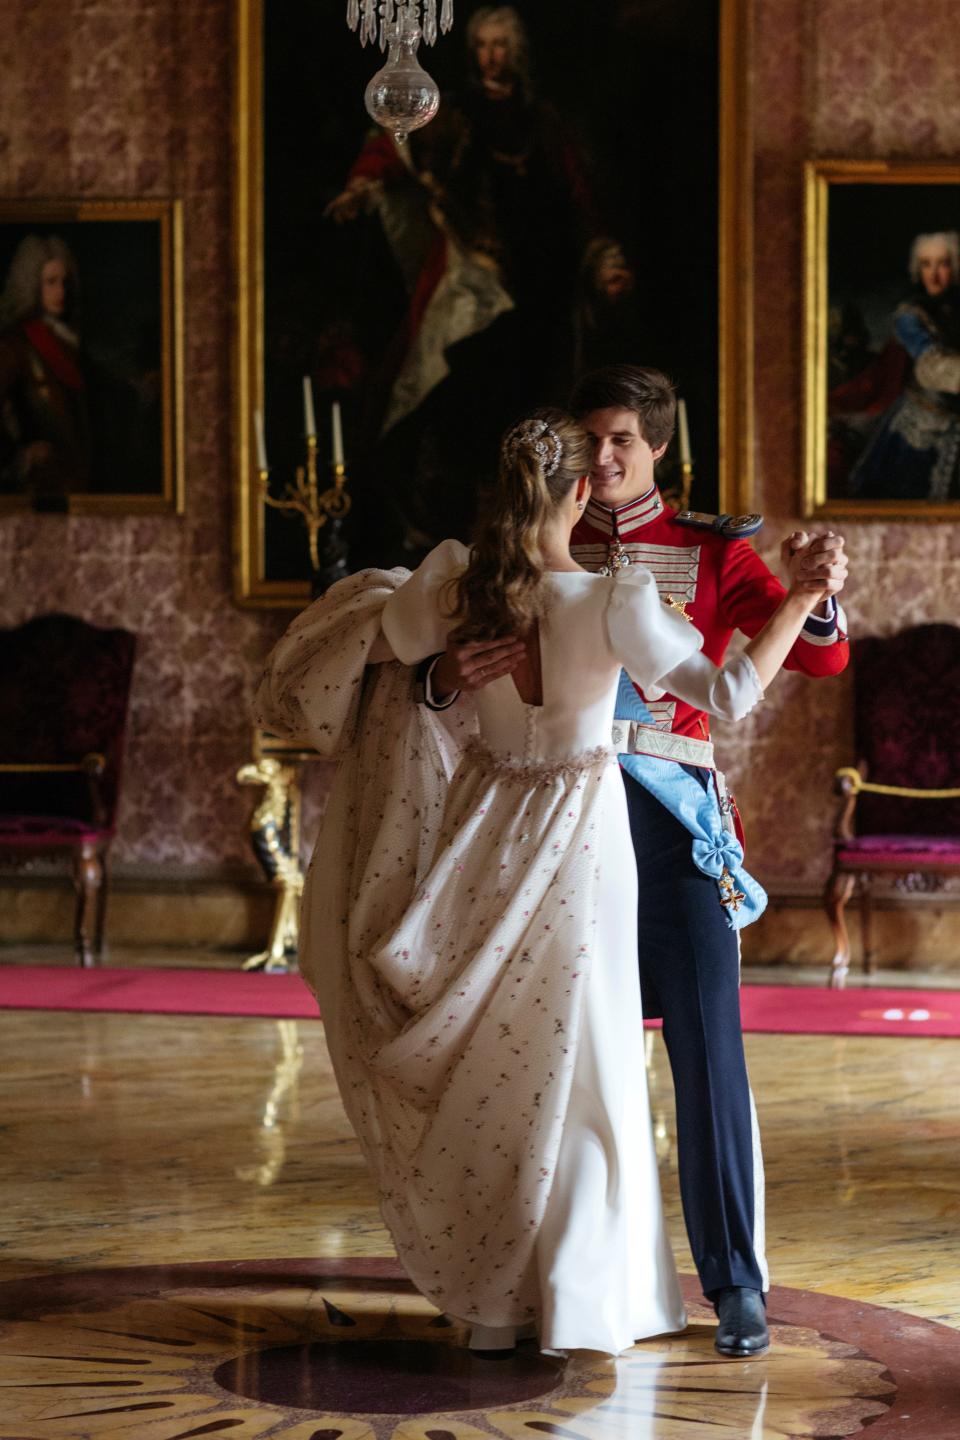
[[689, 975]]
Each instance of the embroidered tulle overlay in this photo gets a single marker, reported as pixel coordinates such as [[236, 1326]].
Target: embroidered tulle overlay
[[311, 689], [465, 1014], [452, 992]]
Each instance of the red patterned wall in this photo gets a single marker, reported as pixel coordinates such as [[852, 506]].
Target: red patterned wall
[[855, 79], [132, 97]]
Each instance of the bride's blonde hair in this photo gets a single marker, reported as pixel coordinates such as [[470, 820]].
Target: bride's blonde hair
[[541, 458]]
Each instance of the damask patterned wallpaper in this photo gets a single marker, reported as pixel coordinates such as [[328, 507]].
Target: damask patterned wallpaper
[[132, 97], [856, 79]]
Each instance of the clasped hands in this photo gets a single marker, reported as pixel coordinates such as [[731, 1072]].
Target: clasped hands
[[815, 562]]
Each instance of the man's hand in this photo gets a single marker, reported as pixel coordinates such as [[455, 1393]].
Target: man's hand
[[358, 195], [474, 665], [816, 561]]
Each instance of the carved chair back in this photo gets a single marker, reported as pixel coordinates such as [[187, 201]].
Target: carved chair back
[[907, 728], [64, 693]]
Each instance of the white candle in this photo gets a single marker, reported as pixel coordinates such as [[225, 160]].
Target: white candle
[[337, 433], [684, 432], [261, 443], [309, 420]]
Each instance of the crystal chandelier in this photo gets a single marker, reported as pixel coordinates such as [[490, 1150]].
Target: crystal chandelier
[[401, 96]]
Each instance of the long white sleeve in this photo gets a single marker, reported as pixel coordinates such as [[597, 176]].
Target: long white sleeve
[[648, 638], [728, 691]]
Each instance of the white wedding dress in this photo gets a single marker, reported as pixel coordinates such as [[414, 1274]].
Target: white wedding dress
[[488, 1039]]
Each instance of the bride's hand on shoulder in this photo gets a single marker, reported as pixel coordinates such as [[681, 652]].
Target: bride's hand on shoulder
[[473, 665]]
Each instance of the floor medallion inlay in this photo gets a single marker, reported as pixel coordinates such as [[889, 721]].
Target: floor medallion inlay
[[310, 1350], [389, 1377]]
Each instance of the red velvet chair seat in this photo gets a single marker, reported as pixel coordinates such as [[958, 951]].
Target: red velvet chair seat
[[899, 851], [900, 813], [64, 696], [50, 831]]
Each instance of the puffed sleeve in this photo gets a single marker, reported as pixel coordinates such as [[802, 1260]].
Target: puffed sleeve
[[415, 619], [660, 651], [646, 636]]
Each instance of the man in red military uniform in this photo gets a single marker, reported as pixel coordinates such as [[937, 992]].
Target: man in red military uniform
[[689, 955]]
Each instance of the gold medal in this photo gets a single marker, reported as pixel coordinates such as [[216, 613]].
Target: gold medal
[[617, 559]]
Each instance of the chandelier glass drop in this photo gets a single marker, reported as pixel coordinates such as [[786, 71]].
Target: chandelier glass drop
[[401, 96]]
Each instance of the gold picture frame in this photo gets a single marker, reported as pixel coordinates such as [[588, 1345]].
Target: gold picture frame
[[124, 454], [859, 389], [735, 430]]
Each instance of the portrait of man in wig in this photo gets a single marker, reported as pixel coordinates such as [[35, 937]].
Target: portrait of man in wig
[[904, 405], [44, 425]]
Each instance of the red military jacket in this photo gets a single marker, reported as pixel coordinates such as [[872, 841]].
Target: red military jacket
[[722, 585]]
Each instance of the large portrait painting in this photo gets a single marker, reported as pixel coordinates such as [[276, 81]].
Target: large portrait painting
[[90, 356], [577, 201], [883, 339]]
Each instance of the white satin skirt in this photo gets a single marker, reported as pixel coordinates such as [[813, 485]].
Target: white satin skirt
[[606, 1270]]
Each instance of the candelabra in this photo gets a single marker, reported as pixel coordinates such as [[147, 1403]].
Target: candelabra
[[323, 514], [677, 490], [686, 461], [686, 484], [676, 487]]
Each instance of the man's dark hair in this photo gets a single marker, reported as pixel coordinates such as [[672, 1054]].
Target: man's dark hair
[[649, 393]]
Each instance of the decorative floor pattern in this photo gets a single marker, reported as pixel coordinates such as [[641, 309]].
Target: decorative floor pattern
[[346, 1350]]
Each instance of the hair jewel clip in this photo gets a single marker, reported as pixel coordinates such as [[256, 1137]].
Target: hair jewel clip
[[537, 436]]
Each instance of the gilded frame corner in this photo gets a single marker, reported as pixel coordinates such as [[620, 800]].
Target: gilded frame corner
[[168, 216], [819, 177]]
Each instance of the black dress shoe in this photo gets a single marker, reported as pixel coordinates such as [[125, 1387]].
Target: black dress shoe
[[742, 1328]]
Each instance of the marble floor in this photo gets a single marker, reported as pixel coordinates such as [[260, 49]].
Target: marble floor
[[191, 1247]]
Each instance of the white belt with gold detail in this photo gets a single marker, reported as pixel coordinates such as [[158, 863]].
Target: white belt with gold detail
[[630, 737]]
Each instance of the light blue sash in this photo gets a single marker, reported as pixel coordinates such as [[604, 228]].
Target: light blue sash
[[698, 810]]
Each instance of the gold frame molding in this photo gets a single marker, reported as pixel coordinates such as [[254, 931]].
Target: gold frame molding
[[735, 289], [819, 176], [169, 215], [737, 438]]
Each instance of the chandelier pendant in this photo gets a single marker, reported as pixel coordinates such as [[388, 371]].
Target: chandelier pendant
[[401, 96]]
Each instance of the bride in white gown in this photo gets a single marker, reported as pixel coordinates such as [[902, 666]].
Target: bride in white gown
[[487, 1035]]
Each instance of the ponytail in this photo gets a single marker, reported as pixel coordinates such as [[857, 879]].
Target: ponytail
[[500, 591]]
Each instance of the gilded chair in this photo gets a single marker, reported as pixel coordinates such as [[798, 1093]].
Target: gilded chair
[[900, 813], [64, 693]]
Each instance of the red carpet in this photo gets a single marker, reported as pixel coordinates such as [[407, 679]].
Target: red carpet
[[773, 1009], [156, 992], [805, 1010]]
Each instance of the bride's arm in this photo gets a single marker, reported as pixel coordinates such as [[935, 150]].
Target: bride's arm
[[730, 691], [415, 620]]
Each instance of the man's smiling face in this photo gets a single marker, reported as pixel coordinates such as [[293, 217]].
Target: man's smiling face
[[623, 461]]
